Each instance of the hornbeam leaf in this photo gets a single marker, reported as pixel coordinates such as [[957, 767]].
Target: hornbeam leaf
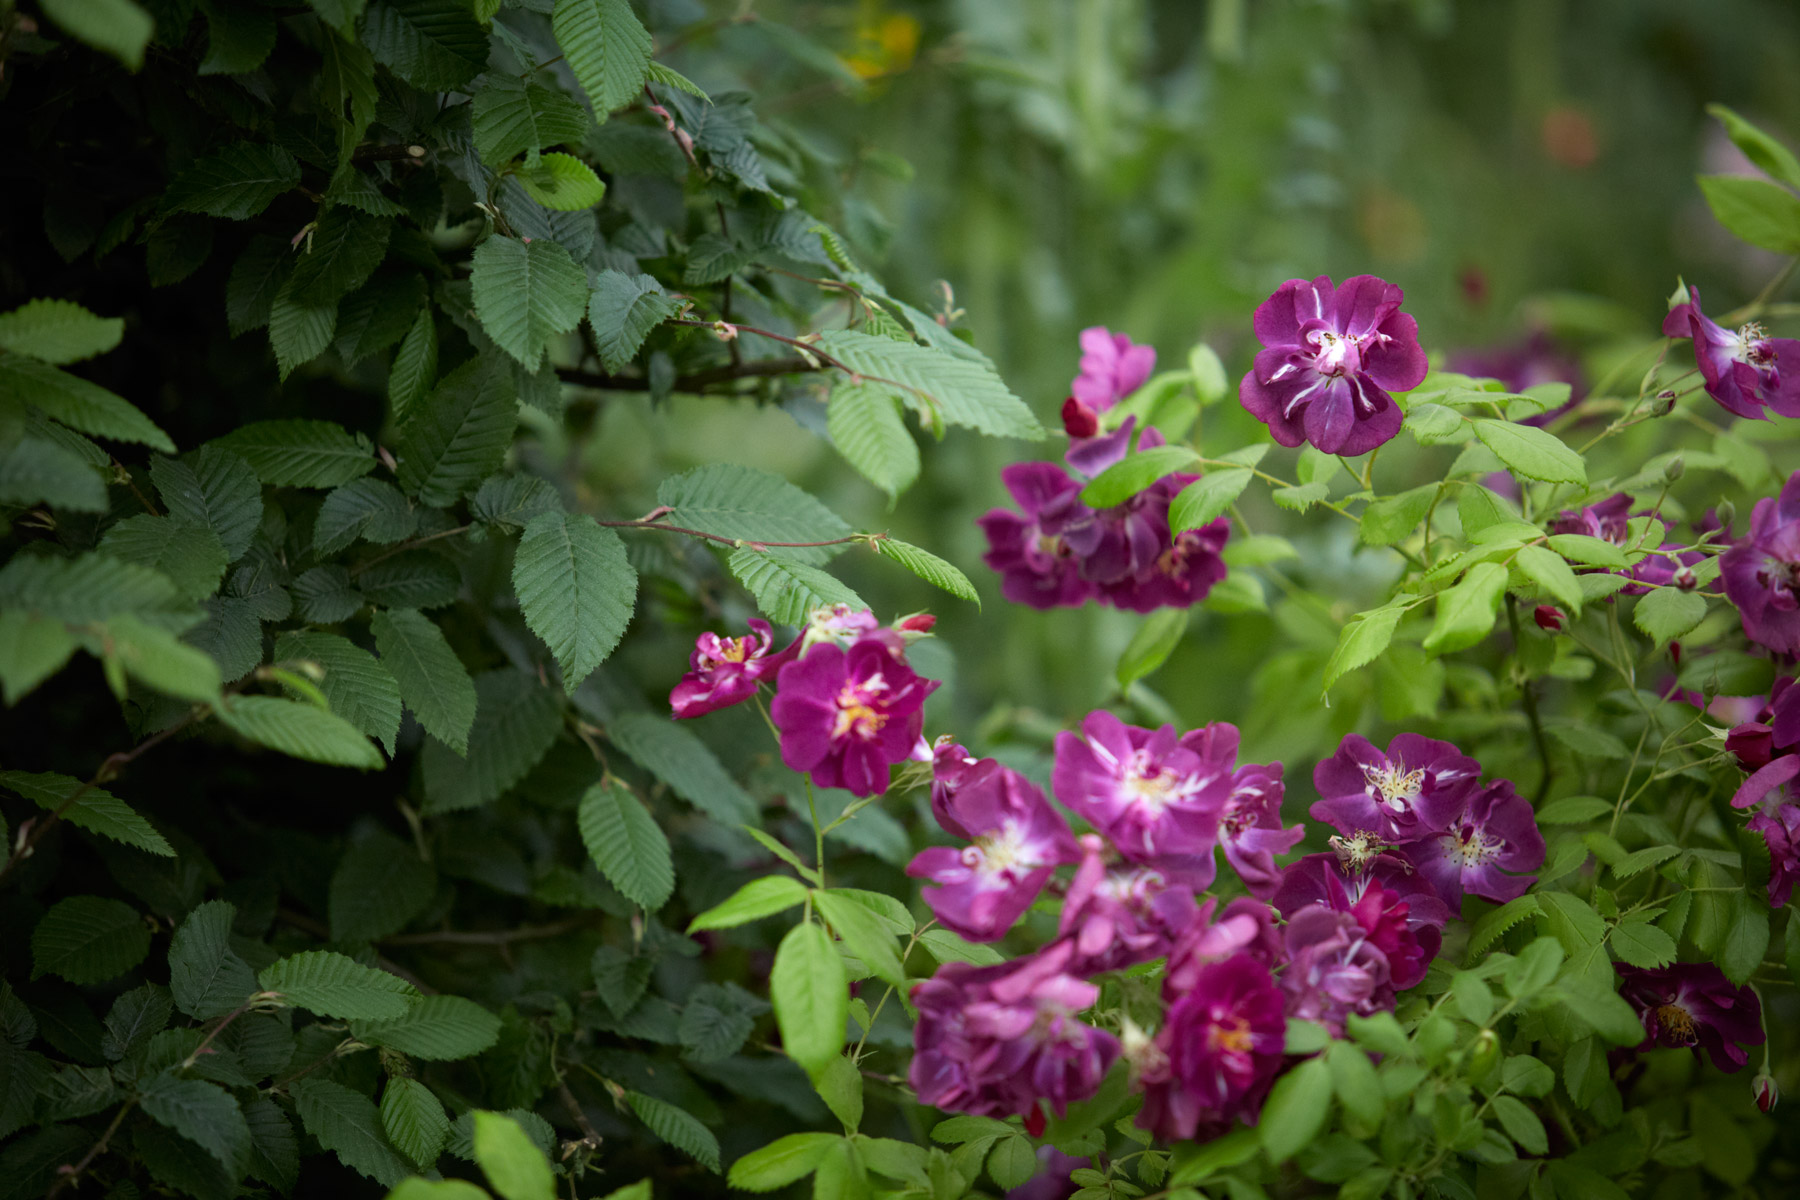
[[626, 844], [608, 49], [526, 294], [576, 590], [236, 182], [334, 985], [58, 331]]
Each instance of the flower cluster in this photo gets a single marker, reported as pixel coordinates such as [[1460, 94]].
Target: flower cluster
[[1762, 570], [1057, 552]]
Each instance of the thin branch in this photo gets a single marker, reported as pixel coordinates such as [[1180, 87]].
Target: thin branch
[[488, 937], [124, 476], [743, 543], [698, 381], [360, 567], [67, 1176]]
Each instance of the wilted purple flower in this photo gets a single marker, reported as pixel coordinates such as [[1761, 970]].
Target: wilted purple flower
[[1403, 906], [1366, 789], [1147, 791], [1017, 839], [1329, 354], [1762, 571], [1037, 565], [994, 1041], [1780, 828], [1746, 370], [726, 671], [848, 716], [1693, 1004], [1116, 916], [1485, 832], [1112, 367], [1217, 1053], [838, 623]]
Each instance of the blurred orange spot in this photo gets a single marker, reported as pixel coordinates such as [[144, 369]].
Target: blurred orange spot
[[1569, 139]]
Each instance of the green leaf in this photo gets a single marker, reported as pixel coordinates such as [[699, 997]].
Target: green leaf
[[811, 996], [1549, 570], [754, 506], [337, 257], [415, 366], [459, 435], [755, 900], [526, 294], [516, 720], [1299, 499], [206, 976], [1755, 211], [156, 658], [1643, 945], [238, 40], [1393, 518], [1135, 472], [414, 1120], [563, 183], [1151, 645], [378, 314], [717, 1020], [863, 934], [1769, 155], [32, 649], [1296, 1110], [514, 1166], [1362, 640], [1667, 613], [256, 279], [36, 470], [190, 555], [362, 191], [944, 388], [136, 1017], [435, 45], [357, 686], [929, 567], [88, 940], [411, 579], [348, 1124], [435, 1028], [1207, 498], [1492, 925], [215, 488], [95, 810], [626, 844], [379, 886], [1746, 940], [274, 1151], [77, 403], [608, 48], [236, 182], [58, 331], [781, 1162], [946, 947], [432, 680], [623, 309], [787, 590], [299, 332], [676, 1127], [91, 588], [511, 501], [1466, 612], [1573, 810], [333, 985], [117, 27], [676, 756], [315, 454], [1531, 452], [204, 1113], [668, 76], [299, 730], [866, 425], [576, 590], [513, 116], [1521, 1124]]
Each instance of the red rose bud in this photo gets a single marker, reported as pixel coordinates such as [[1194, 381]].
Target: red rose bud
[[917, 623], [1079, 421], [1548, 617], [1686, 580], [1767, 1094], [1753, 743]]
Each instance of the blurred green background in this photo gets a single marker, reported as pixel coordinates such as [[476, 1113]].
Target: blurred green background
[[1159, 168]]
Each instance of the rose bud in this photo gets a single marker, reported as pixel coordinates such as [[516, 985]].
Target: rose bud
[[1685, 579], [1753, 743], [1764, 1088], [1079, 421], [1549, 617]]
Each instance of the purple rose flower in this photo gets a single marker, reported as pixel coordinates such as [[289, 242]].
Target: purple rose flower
[[1781, 830], [1333, 969], [1186, 567], [1217, 1053], [1250, 822], [1329, 354], [1746, 370], [1037, 565], [1486, 832], [1147, 791], [727, 671], [1403, 907], [1693, 1004], [1762, 571], [1114, 916], [848, 716], [994, 1041], [1112, 367], [1246, 926], [1018, 842], [1365, 789]]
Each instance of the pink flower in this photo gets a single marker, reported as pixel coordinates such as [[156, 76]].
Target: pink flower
[[1217, 1053], [1365, 789], [1112, 367], [1762, 570], [1405, 905], [1250, 828], [1485, 834], [848, 716], [1037, 564], [727, 671], [1117, 916]]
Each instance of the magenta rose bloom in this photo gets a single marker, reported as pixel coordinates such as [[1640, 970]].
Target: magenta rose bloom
[[1404, 919], [1746, 371], [1147, 791], [727, 671], [1250, 822], [1112, 367], [1780, 828], [1116, 916], [1330, 357], [1363, 789], [1246, 926], [1486, 832], [847, 716], [1694, 1005], [1333, 970], [995, 1041], [1217, 1053], [1762, 571], [1037, 565], [1186, 566], [1018, 842]]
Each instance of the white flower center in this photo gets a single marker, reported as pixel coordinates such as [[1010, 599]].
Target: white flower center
[[1474, 849], [999, 852], [1394, 787]]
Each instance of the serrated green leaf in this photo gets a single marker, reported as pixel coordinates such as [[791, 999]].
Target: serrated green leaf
[[514, 1166], [1769, 155], [206, 976], [1299, 499], [516, 720], [678, 1128], [863, 935], [378, 314], [1521, 1124], [526, 294], [929, 567], [433, 681], [337, 257], [156, 658], [36, 470], [458, 435], [1755, 210], [333, 985], [95, 810], [236, 182], [1550, 570], [1207, 498], [513, 116], [608, 48], [511, 501], [787, 590], [411, 579], [755, 900], [1296, 1109], [274, 1150], [754, 506], [1531, 452], [1135, 472], [1466, 612], [77, 403], [379, 886], [88, 940], [1393, 518], [944, 388], [363, 508], [562, 183], [189, 554], [215, 488], [1668, 613], [58, 331], [670, 77], [116, 27], [781, 1162], [32, 649], [436, 1028], [1362, 640], [299, 730], [623, 309], [324, 596], [865, 424], [680, 759], [357, 686], [348, 1124], [361, 191], [576, 590], [414, 1120], [92, 588], [204, 1113], [626, 844], [1643, 945], [811, 996], [315, 454], [435, 45], [299, 332], [415, 365]]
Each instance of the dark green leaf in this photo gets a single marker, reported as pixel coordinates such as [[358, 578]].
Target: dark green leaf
[[576, 590]]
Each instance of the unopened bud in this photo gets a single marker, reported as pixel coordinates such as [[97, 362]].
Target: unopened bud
[[724, 331], [1675, 654], [1549, 617], [1665, 403], [921, 622], [1710, 689], [1726, 513], [1079, 421], [1766, 1091], [1686, 580], [1674, 468], [1483, 1055]]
